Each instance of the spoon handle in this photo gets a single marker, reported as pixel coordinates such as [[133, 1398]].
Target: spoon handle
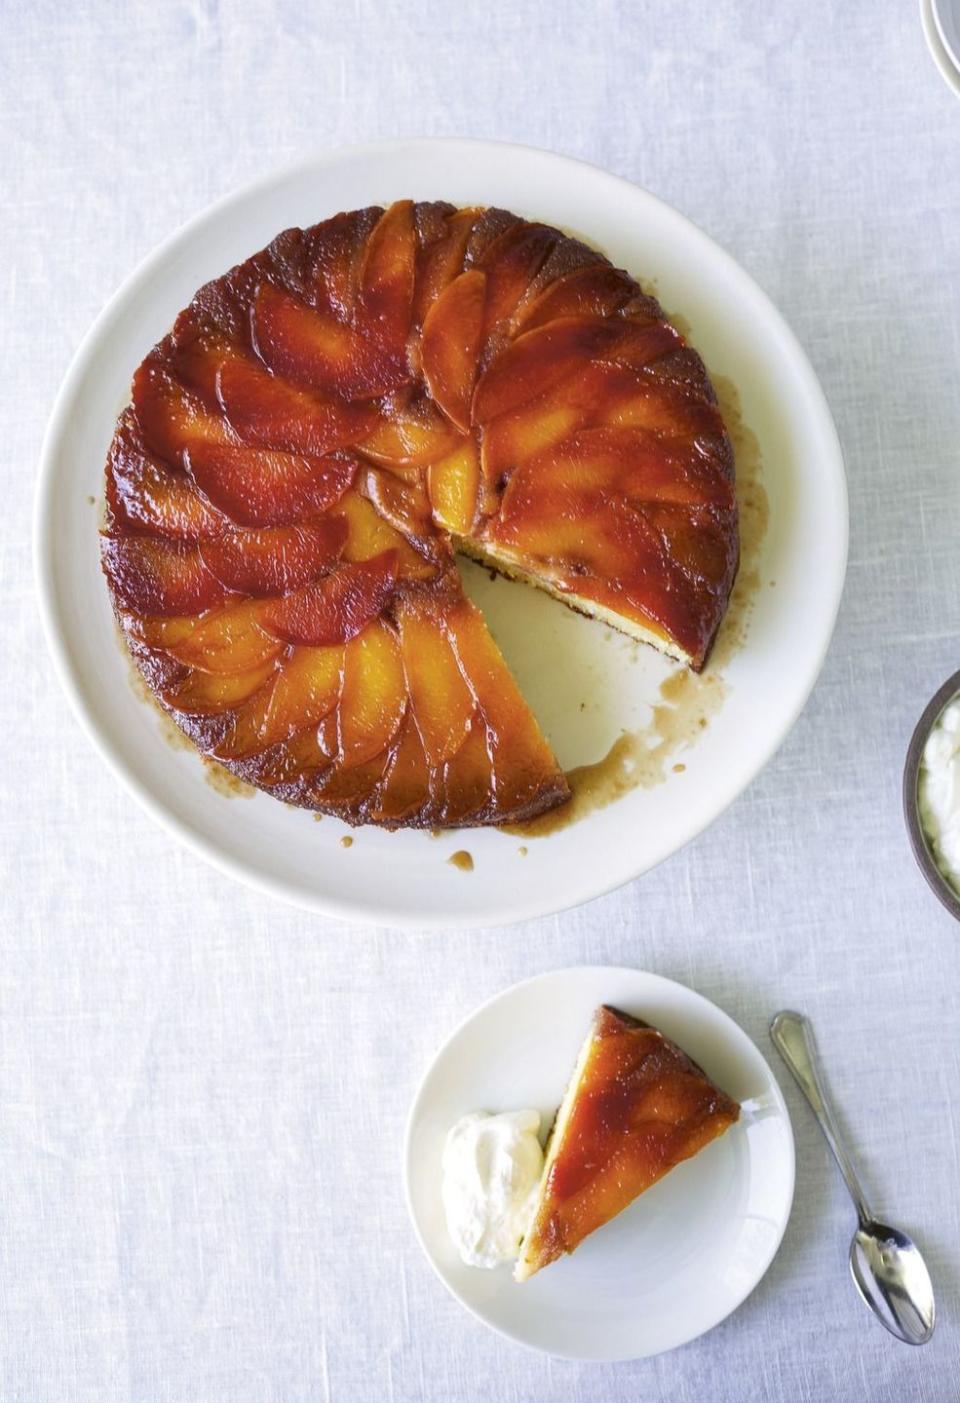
[[792, 1036]]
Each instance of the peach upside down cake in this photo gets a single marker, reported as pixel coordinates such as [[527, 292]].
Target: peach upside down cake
[[328, 424]]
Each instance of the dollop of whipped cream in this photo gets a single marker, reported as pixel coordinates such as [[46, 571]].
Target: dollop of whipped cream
[[491, 1170], [940, 791]]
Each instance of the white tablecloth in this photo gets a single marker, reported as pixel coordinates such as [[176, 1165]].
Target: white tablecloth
[[202, 1093]]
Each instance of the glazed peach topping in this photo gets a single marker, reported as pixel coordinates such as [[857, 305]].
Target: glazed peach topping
[[327, 424]]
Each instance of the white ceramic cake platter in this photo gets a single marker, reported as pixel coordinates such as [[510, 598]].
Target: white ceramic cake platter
[[585, 684]]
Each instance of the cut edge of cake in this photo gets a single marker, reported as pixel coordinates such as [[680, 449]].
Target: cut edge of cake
[[506, 564], [524, 1268]]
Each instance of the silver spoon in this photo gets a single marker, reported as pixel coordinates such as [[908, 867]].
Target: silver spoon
[[887, 1267]]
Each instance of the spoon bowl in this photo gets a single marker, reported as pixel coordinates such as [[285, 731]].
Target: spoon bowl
[[893, 1280]]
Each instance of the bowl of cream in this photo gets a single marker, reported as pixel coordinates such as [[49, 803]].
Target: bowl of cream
[[931, 793]]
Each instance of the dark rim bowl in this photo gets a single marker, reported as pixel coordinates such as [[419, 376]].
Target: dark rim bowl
[[938, 884]]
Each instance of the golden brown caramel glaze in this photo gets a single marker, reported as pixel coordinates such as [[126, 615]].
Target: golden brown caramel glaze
[[639, 1107], [302, 446]]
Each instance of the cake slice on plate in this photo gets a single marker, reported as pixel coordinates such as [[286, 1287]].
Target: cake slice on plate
[[635, 1107]]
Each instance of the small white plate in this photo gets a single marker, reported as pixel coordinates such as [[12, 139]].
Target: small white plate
[[680, 1258], [585, 684]]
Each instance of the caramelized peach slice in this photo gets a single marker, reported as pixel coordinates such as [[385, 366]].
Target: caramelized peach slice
[[305, 689], [512, 262], [374, 694], [143, 494], [334, 253], [539, 359], [201, 352], [453, 484], [513, 439], [347, 789], [158, 577], [239, 738], [491, 226], [618, 394], [305, 692], [369, 534], [405, 787], [523, 767], [209, 693], [596, 290], [466, 783], [316, 350], [643, 344], [633, 400], [592, 391], [273, 559], [172, 417], [260, 487], [442, 261], [335, 608], [404, 504], [386, 278], [584, 541], [698, 541], [411, 433], [270, 412], [600, 393], [442, 702], [293, 762], [450, 344], [659, 585], [609, 461], [223, 639]]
